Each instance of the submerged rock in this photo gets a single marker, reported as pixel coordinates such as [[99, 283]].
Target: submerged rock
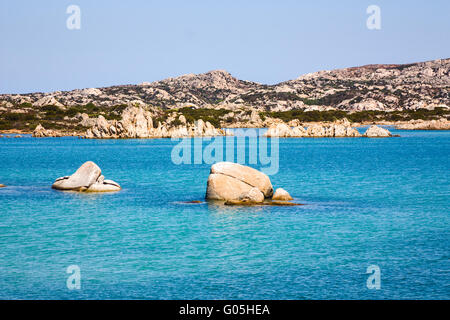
[[244, 202], [87, 178], [377, 132], [264, 203], [281, 194]]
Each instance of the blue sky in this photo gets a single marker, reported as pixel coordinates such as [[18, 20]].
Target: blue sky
[[123, 42]]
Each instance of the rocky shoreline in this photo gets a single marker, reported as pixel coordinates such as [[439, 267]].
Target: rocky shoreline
[[129, 129], [136, 122], [440, 124], [340, 129]]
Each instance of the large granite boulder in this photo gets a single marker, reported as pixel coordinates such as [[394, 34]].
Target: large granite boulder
[[87, 178], [377, 132], [245, 174], [232, 181], [223, 187]]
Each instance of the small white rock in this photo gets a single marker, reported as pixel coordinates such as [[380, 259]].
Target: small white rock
[[281, 194]]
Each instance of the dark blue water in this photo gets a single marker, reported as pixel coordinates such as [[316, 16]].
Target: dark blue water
[[382, 202]]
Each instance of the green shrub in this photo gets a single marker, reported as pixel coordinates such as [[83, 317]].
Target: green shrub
[[360, 116], [211, 115]]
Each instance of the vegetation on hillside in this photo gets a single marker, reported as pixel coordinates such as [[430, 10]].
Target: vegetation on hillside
[[211, 115], [54, 117], [361, 116]]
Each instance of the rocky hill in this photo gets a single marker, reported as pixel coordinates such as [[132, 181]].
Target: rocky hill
[[386, 88], [371, 87]]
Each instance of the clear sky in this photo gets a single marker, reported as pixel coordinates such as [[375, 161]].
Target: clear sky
[[123, 42]]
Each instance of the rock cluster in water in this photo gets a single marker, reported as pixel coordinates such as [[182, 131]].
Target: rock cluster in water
[[240, 185], [340, 129], [440, 124], [377, 132], [138, 123], [88, 178], [41, 132]]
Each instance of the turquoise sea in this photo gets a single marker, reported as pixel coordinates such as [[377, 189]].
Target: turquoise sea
[[383, 202]]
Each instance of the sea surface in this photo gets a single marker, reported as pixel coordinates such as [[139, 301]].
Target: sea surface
[[383, 202]]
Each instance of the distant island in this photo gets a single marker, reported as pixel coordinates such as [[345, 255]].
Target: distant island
[[410, 96]]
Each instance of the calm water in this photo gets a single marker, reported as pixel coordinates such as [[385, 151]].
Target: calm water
[[368, 201]]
